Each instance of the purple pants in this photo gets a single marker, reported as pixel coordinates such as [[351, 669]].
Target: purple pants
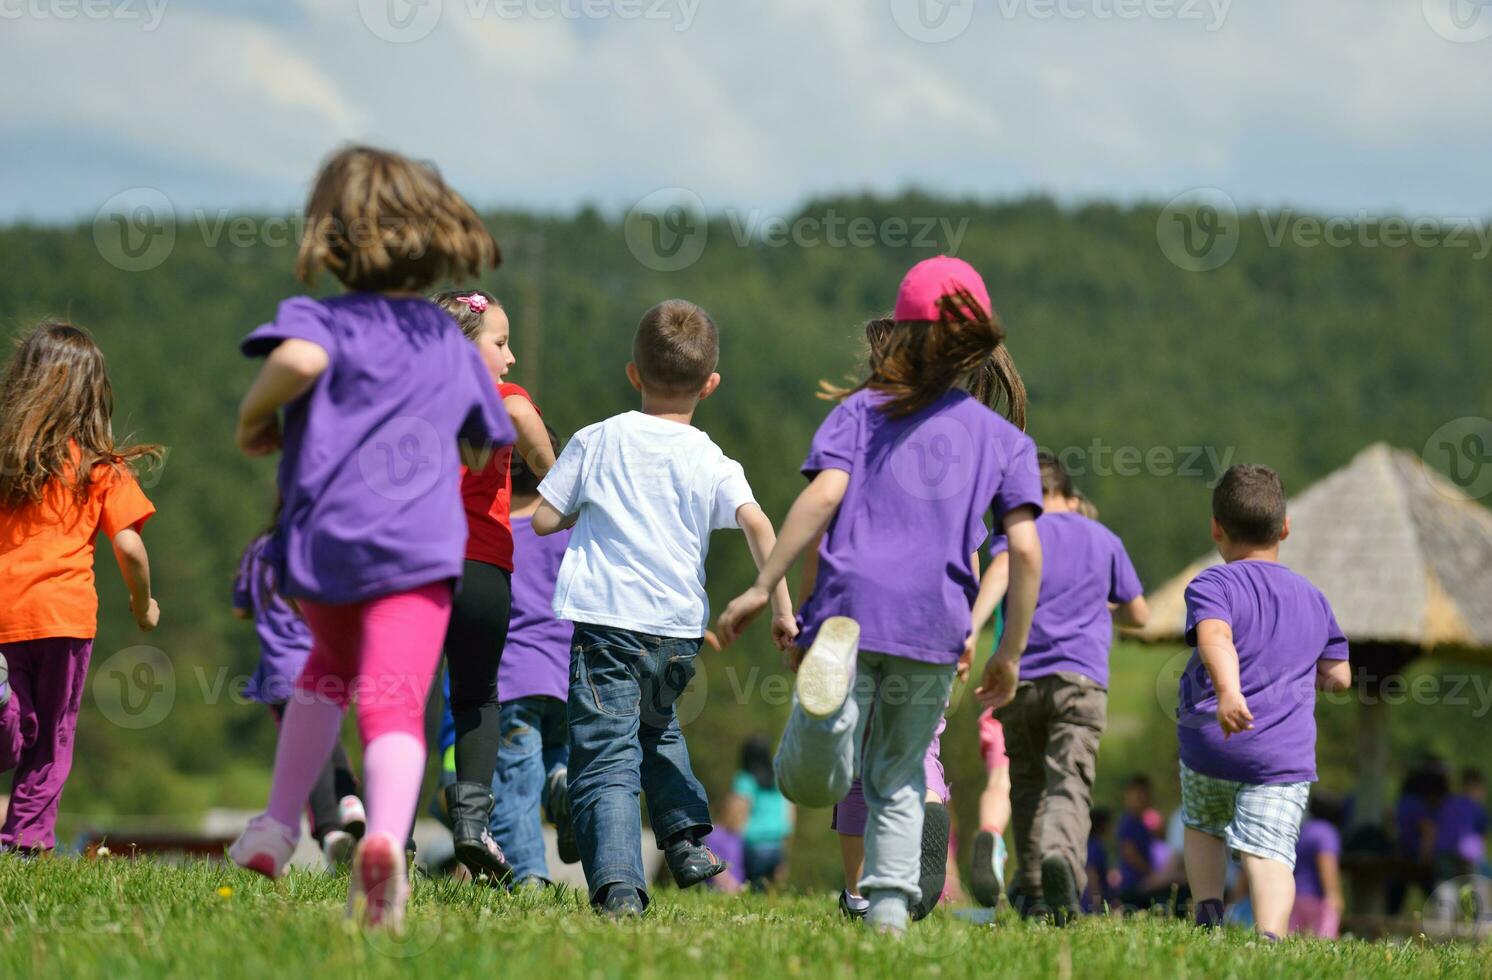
[[47, 678], [851, 812]]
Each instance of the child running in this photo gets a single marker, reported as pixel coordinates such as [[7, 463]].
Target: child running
[[1053, 725], [644, 490], [481, 611], [337, 816], [534, 681], [1264, 640], [63, 480], [901, 475], [377, 385]]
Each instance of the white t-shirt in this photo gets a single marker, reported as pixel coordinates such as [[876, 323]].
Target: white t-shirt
[[648, 492]]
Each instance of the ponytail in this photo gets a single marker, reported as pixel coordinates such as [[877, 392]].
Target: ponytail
[[917, 362]]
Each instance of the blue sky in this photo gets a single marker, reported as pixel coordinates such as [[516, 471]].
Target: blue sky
[[1339, 106]]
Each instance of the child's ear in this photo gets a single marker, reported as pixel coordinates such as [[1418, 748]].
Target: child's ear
[[1218, 534], [633, 376], [711, 383], [1285, 529]]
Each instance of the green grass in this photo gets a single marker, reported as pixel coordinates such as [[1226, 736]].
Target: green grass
[[114, 918]]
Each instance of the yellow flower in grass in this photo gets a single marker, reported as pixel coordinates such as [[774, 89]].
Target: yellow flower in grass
[[225, 892]]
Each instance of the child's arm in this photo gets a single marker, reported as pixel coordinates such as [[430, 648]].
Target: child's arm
[[1133, 614], [1220, 657], [761, 539], [1329, 867], [809, 516], [533, 440], [1333, 675], [991, 590], [134, 567], [1002, 671], [547, 520], [288, 372], [971, 642]]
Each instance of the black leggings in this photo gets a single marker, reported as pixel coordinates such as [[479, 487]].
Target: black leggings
[[473, 649], [335, 781]]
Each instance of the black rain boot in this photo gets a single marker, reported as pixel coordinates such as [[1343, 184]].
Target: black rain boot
[[470, 807]]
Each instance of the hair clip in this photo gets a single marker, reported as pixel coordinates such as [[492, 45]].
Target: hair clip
[[476, 302]]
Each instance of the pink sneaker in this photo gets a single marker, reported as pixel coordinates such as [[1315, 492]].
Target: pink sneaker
[[265, 846], [379, 887]]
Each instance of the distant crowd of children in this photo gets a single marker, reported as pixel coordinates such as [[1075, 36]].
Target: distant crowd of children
[[426, 514]]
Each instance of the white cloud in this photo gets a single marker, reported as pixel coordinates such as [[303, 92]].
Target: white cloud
[[765, 103]]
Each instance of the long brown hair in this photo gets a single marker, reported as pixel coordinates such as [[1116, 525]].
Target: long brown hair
[[917, 362], [56, 410], [468, 319], [380, 221]]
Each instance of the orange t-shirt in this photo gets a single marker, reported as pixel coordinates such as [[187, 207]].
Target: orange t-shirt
[[487, 495], [46, 555]]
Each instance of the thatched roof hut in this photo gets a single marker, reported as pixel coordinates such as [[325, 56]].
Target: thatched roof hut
[[1404, 556]]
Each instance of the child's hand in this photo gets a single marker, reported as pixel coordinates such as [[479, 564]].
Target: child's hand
[[711, 640], [966, 659], [784, 631], [258, 438], [1001, 675], [739, 614], [151, 617], [1233, 714]]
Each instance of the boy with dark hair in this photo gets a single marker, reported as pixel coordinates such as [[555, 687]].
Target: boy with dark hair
[[1265, 640], [643, 491], [1461, 828], [1053, 725]]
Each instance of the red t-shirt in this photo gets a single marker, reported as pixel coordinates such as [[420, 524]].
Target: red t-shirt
[[488, 497]]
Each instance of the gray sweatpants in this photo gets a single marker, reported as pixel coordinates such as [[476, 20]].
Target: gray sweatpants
[[903, 699]]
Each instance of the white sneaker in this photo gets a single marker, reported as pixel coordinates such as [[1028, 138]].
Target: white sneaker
[[827, 670], [337, 847], [352, 816], [265, 846], [380, 886]]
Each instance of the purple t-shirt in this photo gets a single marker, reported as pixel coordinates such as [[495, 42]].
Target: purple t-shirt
[[371, 471], [284, 640], [1282, 626], [1317, 837], [1132, 830], [895, 558], [1461, 829], [1084, 567], [536, 659]]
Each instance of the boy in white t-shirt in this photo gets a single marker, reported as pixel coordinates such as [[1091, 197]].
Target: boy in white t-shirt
[[643, 491]]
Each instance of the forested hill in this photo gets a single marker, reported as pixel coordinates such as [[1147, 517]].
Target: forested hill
[[1151, 376]]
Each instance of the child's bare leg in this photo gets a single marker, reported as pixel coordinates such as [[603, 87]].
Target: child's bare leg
[[852, 852], [1206, 873], [1272, 889], [994, 802]]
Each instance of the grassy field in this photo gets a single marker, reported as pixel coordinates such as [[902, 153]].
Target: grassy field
[[118, 919]]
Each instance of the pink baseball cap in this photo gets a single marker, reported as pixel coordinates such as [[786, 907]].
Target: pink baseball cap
[[931, 280]]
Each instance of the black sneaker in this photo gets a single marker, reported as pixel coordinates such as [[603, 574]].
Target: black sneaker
[[622, 902], [470, 806], [987, 873], [852, 906], [935, 827], [690, 862], [557, 809], [1059, 890]]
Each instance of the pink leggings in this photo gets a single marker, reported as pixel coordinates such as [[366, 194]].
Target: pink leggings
[[379, 655]]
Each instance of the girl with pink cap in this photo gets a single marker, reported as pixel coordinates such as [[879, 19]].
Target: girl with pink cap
[[902, 473]]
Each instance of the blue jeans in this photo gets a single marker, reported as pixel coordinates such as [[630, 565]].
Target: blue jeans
[[625, 740], [534, 744]]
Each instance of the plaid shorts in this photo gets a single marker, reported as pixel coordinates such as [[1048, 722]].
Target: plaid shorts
[[1262, 820]]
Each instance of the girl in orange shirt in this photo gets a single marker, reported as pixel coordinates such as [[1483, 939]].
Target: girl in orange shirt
[[63, 479]]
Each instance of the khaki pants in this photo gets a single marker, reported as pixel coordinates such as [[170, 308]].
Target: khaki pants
[[1052, 728]]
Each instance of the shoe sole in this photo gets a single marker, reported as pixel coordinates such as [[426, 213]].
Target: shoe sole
[[478, 860], [983, 883], [261, 863], [825, 673], [378, 869], [1058, 890], [935, 827]]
